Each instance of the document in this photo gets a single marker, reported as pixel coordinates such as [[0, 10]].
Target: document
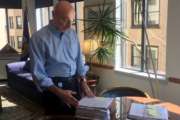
[[147, 112], [96, 102], [94, 108]]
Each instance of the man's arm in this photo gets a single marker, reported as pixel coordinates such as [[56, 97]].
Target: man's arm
[[81, 71], [66, 95], [37, 57]]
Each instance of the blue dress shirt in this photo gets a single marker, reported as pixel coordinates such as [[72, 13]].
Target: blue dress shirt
[[55, 56]]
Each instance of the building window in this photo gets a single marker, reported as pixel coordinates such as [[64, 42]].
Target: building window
[[12, 43], [43, 16], [11, 24], [18, 22], [19, 41], [136, 57], [8, 27], [127, 56], [153, 13]]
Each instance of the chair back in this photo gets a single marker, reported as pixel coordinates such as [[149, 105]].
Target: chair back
[[123, 91]]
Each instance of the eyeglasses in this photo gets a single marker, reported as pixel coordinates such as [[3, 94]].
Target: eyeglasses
[[67, 21]]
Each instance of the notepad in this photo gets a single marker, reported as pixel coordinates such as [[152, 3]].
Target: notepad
[[147, 112], [96, 102], [95, 108]]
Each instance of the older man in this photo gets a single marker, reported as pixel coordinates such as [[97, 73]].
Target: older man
[[56, 62]]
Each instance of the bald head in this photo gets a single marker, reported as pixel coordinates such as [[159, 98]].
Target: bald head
[[63, 15], [63, 7]]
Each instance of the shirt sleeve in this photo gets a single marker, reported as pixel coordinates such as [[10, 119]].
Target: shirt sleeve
[[37, 58], [81, 67]]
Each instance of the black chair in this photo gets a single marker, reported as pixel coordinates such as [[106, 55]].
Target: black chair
[[123, 91]]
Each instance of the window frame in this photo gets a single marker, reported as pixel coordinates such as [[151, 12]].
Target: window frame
[[12, 42], [10, 22], [147, 56], [19, 45], [18, 23], [134, 26]]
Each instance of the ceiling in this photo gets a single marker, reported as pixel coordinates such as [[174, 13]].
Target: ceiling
[[17, 3]]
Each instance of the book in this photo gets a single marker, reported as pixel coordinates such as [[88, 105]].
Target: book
[[147, 112], [97, 108]]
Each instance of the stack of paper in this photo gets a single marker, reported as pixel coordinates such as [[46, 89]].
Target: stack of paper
[[97, 108], [147, 112]]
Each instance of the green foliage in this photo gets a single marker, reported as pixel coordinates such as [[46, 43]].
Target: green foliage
[[102, 54], [102, 26]]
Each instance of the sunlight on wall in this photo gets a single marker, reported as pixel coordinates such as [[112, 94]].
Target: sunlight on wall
[[3, 38]]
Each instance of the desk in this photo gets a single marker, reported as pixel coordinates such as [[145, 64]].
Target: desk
[[125, 102]]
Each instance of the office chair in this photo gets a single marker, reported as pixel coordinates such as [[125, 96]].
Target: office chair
[[123, 91]]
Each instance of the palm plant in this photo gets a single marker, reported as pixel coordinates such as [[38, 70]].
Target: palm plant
[[102, 26]]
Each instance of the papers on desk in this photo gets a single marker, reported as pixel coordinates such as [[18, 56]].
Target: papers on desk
[[147, 112], [96, 108]]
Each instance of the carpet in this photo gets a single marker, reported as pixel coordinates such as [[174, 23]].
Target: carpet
[[16, 107]]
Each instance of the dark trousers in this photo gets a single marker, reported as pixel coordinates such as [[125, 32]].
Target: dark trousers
[[53, 104]]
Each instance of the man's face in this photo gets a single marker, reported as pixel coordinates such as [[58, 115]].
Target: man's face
[[64, 22]]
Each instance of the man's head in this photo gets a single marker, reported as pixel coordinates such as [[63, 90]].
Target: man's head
[[63, 15]]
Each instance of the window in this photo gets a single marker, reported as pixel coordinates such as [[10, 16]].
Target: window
[[17, 30], [153, 13], [18, 22], [11, 24], [152, 2], [136, 57], [43, 16], [19, 41], [154, 51], [13, 19], [127, 56], [12, 43]]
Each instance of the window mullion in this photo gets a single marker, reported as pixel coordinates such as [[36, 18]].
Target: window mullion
[[143, 38], [7, 24]]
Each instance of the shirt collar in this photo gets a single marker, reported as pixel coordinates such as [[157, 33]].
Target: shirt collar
[[54, 29]]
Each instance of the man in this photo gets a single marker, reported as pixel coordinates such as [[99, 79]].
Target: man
[[56, 62]]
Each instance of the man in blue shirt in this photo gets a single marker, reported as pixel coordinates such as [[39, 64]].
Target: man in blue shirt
[[56, 62]]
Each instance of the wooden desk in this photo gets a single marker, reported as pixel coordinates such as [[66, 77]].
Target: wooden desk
[[174, 110], [125, 102]]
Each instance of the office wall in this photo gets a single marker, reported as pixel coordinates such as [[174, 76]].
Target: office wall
[[168, 91], [3, 31], [173, 36]]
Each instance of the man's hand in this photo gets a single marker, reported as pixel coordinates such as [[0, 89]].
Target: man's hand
[[68, 98], [66, 95], [87, 91]]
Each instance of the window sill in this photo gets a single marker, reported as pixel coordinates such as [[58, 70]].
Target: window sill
[[133, 73]]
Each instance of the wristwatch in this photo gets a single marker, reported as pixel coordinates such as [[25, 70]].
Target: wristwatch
[[83, 79]]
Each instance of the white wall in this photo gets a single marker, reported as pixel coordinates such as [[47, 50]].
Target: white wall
[[168, 91], [110, 78], [173, 37], [3, 31]]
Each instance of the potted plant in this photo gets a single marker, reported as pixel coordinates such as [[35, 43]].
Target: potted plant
[[102, 27]]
